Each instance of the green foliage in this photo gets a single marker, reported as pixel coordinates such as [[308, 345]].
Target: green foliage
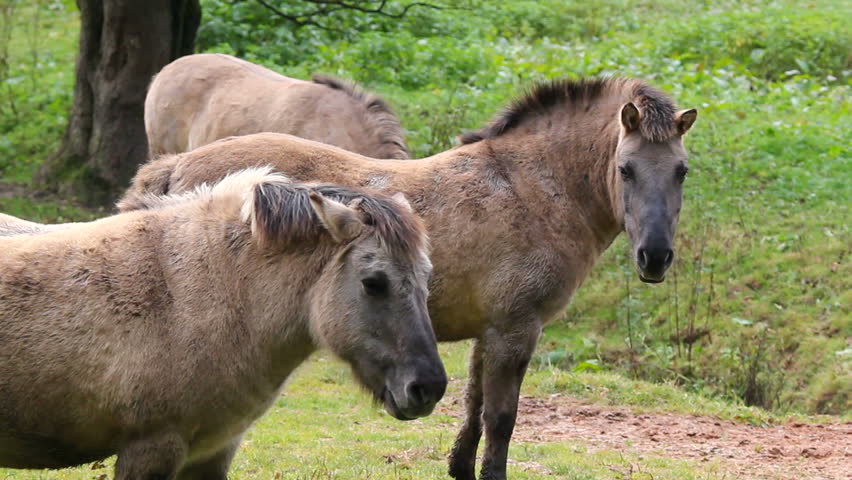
[[37, 51], [44, 210], [250, 30], [812, 42]]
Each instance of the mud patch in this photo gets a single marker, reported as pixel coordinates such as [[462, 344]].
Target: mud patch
[[792, 451]]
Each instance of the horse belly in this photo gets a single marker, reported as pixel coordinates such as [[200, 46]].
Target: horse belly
[[19, 450], [36, 432]]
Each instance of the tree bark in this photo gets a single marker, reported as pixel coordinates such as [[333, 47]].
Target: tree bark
[[123, 44]]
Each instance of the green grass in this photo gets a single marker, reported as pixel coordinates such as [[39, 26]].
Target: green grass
[[36, 83], [45, 211], [761, 284]]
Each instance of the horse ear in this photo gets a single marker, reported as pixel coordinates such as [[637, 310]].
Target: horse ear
[[341, 221], [399, 198], [630, 117], [684, 120], [263, 210]]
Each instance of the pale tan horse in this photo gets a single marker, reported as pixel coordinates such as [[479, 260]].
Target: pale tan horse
[[198, 99], [518, 215], [160, 335]]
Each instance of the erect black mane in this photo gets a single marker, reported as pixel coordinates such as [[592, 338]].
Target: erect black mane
[[656, 108]]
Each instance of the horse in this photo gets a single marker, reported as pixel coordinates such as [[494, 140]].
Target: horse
[[518, 215], [160, 335], [198, 99]]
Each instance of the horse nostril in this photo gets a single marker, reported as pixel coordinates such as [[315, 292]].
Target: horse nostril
[[669, 257], [417, 393], [642, 258], [426, 392]]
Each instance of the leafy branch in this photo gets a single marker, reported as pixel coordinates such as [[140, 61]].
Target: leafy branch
[[327, 7]]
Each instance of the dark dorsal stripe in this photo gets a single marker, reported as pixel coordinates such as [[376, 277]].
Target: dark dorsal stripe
[[656, 108]]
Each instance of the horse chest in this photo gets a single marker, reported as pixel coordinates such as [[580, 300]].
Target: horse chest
[[489, 287], [458, 313], [221, 420]]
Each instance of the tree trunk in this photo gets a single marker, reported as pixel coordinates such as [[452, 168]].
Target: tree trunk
[[123, 44]]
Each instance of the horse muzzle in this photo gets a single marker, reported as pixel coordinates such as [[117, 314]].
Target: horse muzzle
[[415, 398], [652, 262]]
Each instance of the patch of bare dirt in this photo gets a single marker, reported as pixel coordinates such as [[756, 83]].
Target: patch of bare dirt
[[794, 451], [791, 451]]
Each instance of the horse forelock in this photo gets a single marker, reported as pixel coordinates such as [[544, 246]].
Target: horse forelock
[[656, 108], [397, 228], [384, 120], [281, 214]]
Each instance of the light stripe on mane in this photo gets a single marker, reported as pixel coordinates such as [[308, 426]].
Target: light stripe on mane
[[283, 209], [657, 109], [152, 201], [237, 183]]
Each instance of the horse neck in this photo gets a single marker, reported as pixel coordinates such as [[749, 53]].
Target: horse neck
[[570, 155], [266, 322], [279, 297]]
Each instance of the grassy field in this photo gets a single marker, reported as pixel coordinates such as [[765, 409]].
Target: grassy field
[[757, 308]]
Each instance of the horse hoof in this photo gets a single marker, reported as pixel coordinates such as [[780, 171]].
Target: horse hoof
[[462, 472]]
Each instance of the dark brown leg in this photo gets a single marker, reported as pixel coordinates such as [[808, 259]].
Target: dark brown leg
[[463, 456], [505, 359], [151, 458], [214, 468]]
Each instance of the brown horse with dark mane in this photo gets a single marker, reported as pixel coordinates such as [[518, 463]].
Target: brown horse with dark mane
[[518, 216]]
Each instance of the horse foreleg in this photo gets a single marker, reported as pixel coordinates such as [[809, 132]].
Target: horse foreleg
[[151, 458], [505, 358], [463, 456], [214, 468]]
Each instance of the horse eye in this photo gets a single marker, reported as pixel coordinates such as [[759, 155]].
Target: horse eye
[[626, 172], [376, 285], [681, 172]]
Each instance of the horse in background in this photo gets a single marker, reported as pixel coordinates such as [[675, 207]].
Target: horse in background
[[198, 99]]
